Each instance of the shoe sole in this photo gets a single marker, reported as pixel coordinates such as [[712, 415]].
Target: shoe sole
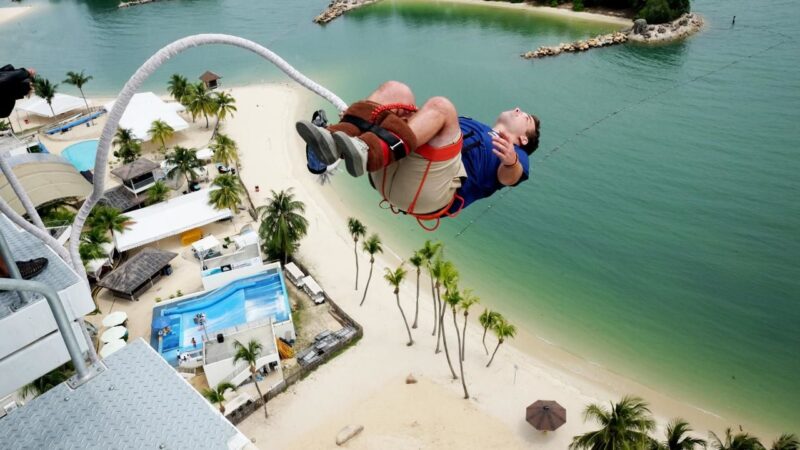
[[353, 159], [322, 148]]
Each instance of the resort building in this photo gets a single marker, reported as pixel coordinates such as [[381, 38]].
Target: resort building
[[245, 260], [30, 342], [210, 79], [138, 176], [139, 273], [145, 108]]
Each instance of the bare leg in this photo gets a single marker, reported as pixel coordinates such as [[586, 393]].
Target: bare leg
[[436, 123], [392, 92]]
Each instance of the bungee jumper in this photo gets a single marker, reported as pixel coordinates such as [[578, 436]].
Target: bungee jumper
[[426, 162]]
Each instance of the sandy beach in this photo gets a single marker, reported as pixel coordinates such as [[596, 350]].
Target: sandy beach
[[366, 384], [9, 14], [547, 11]]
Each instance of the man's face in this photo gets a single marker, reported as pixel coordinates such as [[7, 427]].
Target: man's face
[[517, 123]]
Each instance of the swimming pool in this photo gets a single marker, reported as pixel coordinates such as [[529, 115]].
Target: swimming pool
[[250, 299], [81, 154]]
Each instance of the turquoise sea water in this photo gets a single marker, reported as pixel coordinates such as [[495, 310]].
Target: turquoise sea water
[[663, 244]]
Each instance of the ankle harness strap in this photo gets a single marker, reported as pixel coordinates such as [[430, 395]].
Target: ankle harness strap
[[396, 145]]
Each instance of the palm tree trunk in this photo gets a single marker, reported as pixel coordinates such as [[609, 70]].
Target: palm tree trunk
[[84, 100], [438, 306], [51, 108], [464, 337], [355, 252], [485, 329], [206, 116], [410, 339], [446, 351], [458, 334], [494, 352], [416, 308], [221, 408], [461, 358], [433, 296], [258, 389], [371, 265]]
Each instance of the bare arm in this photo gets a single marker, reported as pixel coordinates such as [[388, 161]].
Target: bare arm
[[510, 170]]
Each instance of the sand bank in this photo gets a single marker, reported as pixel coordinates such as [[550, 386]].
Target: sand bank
[[12, 13], [547, 11]]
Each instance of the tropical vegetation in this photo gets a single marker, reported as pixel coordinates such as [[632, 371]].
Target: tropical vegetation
[[79, 79], [487, 319], [428, 253], [503, 330], [226, 192], [654, 11], [199, 101], [161, 131], [177, 87], [371, 246], [185, 162], [395, 278], [416, 261], [250, 353], [357, 231], [47, 381], [216, 395], [225, 151], [225, 105], [625, 425], [44, 89], [282, 224], [157, 193], [128, 147], [108, 218]]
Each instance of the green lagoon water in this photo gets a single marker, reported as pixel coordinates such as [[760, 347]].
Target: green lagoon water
[[663, 244]]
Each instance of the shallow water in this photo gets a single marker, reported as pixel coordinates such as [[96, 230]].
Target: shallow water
[[663, 243]]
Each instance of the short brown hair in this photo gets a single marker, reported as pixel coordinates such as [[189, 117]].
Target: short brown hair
[[533, 137]]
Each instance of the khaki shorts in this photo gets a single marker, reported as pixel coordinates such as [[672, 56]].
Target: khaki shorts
[[399, 182]]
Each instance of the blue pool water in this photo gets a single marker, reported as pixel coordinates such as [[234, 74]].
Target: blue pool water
[[81, 154], [246, 300]]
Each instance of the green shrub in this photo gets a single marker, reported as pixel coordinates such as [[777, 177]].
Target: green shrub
[[577, 5], [657, 11], [158, 299], [554, 3]]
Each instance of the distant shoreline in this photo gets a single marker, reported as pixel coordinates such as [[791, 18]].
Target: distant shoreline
[[545, 10], [8, 14]]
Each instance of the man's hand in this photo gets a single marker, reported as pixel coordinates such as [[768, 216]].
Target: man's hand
[[504, 149]]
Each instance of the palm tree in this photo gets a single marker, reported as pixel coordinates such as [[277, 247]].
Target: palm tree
[[250, 354], [217, 395], [502, 330], [677, 439], [487, 319], [428, 252], [739, 441], [372, 246], [395, 278], [227, 193], [225, 105], [357, 231], [79, 80], [282, 224], [161, 131], [225, 151], [466, 303], [129, 148], [416, 261], [786, 442], [200, 101], [624, 426], [454, 298], [108, 218], [157, 193], [448, 277], [185, 162], [177, 87], [46, 90]]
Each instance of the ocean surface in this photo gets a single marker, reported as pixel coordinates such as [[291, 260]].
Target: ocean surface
[[662, 243]]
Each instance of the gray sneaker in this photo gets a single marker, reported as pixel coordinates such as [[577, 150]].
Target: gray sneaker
[[319, 140], [354, 152]]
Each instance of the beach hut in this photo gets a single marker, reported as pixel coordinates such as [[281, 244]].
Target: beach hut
[[546, 415], [294, 274], [138, 175], [210, 79], [138, 274], [313, 290]]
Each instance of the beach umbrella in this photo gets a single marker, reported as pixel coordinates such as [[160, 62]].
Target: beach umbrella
[[111, 347], [113, 333], [546, 415], [114, 319], [160, 322]]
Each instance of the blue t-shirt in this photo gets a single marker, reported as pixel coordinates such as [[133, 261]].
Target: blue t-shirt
[[481, 164]]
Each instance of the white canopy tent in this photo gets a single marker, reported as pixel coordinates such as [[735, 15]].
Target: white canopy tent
[[245, 239], [205, 154], [115, 318], [143, 109], [61, 103], [203, 246], [169, 218]]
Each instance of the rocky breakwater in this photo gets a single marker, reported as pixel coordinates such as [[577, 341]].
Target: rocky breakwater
[[604, 40], [338, 7], [679, 28]]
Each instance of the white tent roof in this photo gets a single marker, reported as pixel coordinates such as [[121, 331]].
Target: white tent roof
[[205, 154], [207, 243], [111, 347], [61, 103], [169, 218], [143, 109], [245, 239], [113, 333], [94, 265], [312, 285], [115, 318]]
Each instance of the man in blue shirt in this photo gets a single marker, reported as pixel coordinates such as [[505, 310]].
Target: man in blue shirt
[[426, 162]]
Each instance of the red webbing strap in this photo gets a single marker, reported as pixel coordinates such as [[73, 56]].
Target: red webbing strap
[[388, 107], [419, 189]]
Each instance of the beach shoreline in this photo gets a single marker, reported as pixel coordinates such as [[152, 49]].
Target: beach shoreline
[[12, 13]]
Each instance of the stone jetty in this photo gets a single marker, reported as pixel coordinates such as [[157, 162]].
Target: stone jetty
[[338, 7], [681, 27], [134, 3]]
